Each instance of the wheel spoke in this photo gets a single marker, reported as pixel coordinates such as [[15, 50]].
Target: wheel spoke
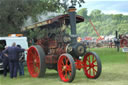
[[89, 71], [65, 75], [66, 61], [94, 70], [62, 63], [37, 70], [94, 61], [89, 59], [38, 64], [92, 58], [70, 73], [86, 65], [95, 65], [68, 67]]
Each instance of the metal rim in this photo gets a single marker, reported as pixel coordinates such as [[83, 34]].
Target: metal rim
[[92, 65], [33, 62], [66, 68]]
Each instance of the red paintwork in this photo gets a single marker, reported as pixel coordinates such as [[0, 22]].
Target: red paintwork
[[79, 64], [64, 68], [33, 62], [52, 50], [99, 37], [90, 64], [123, 41], [51, 59], [88, 38]]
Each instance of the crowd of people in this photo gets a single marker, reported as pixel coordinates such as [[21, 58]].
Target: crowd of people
[[13, 58]]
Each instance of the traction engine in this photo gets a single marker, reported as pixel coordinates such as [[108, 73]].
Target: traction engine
[[60, 51]]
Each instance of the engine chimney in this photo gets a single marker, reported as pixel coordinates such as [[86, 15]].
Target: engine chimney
[[72, 15]]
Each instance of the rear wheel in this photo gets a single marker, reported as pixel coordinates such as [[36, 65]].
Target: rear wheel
[[36, 61], [66, 68], [92, 65]]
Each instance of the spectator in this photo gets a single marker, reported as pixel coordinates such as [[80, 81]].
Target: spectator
[[5, 62], [110, 44], [21, 60], [0, 55], [13, 53]]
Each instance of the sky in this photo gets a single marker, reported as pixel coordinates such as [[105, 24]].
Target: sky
[[106, 6]]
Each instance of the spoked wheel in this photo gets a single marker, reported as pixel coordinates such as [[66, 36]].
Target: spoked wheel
[[124, 43], [92, 65], [66, 68], [36, 61]]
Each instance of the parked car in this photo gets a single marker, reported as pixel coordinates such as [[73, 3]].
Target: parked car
[[1, 64]]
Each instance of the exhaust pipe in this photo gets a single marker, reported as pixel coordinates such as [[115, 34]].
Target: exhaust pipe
[[72, 15]]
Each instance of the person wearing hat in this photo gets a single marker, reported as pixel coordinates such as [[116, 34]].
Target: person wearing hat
[[13, 52]]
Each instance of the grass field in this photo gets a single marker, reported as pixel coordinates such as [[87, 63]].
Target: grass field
[[114, 72]]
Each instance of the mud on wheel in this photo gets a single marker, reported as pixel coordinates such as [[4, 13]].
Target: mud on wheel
[[66, 68], [92, 65], [36, 61]]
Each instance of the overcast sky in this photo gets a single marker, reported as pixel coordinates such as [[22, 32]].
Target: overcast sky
[[107, 6]]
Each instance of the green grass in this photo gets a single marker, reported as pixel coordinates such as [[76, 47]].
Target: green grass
[[114, 72], [110, 55]]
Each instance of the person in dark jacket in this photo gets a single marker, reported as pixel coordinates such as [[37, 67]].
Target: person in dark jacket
[[13, 57], [21, 61], [5, 63], [0, 55]]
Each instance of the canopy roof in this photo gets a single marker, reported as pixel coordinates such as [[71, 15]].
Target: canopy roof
[[55, 22]]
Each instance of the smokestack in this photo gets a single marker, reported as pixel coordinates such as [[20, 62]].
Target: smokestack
[[72, 15], [116, 34]]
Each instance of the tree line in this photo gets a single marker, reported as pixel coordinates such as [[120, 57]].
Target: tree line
[[105, 24]]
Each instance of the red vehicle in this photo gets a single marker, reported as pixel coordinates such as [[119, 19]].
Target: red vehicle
[[124, 40], [60, 51]]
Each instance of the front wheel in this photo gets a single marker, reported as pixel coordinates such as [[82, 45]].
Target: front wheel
[[92, 65], [66, 68]]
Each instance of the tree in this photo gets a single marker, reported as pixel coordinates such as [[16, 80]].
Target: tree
[[106, 24], [13, 13], [83, 12], [96, 14]]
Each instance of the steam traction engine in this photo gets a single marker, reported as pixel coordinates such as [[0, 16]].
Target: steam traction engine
[[124, 40], [60, 51]]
